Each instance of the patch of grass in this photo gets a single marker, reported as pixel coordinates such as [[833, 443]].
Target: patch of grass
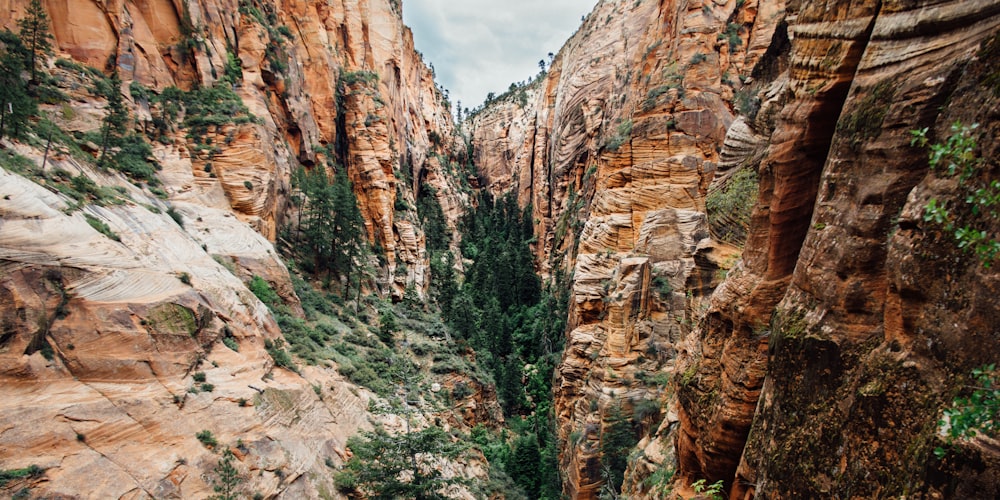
[[14, 162], [101, 227], [12, 474]]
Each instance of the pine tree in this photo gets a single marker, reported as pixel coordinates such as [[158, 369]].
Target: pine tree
[[443, 285], [228, 480], [525, 464], [36, 36], [617, 438], [17, 106], [116, 121], [349, 237], [331, 226], [386, 466]]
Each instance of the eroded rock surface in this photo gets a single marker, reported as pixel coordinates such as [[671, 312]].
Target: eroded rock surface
[[101, 337]]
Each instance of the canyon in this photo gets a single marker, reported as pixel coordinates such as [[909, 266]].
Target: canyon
[[729, 190]]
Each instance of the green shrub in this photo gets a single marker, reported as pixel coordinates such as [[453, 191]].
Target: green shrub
[[133, 159], [176, 216], [198, 376], [979, 412], [231, 343], [711, 491], [622, 135], [101, 227], [279, 355], [970, 224], [207, 438], [30, 471], [262, 289], [729, 208]]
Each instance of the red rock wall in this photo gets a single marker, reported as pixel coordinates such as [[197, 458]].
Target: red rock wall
[[110, 412], [835, 311], [615, 150], [812, 348]]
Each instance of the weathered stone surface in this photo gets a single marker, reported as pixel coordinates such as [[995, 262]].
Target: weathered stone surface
[[125, 330], [808, 345], [619, 140]]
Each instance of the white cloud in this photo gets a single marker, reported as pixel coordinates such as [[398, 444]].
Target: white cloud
[[481, 46]]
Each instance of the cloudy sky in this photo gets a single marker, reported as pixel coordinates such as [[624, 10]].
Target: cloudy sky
[[482, 46]]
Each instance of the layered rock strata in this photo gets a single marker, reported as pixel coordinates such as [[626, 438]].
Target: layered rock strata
[[614, 149], [103, 333], [816, 374]]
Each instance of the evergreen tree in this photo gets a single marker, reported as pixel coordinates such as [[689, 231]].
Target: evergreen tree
[[331, 226], [443, 285], [386, 466], [433, 220], [525, 463], [617, 438], [228, 479], [115, 122], [16, 106], [349, 237], [35, 36]]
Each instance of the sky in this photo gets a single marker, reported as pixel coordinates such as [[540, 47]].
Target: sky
[[482, 46]]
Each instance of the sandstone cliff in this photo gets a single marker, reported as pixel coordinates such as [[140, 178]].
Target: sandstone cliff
[[820, 365], [615, 150], [103, 333]]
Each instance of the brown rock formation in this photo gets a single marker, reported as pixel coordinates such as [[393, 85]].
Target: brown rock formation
[[808, 343], [819, 385], [100, 338], [618, 140]]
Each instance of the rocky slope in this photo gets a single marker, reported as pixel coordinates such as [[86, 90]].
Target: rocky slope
[[820, 365], [103, 333]]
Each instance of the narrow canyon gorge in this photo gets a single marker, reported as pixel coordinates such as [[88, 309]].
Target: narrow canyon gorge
[[714, 249]]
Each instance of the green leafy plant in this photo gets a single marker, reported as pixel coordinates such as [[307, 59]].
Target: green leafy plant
[[386, 466], [227, 480], [969, 225], [979, 412], [207, 438], [712, 491]]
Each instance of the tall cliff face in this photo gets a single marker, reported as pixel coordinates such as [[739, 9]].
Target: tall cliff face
[[615, 149], [790, 374], [101, 338]]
